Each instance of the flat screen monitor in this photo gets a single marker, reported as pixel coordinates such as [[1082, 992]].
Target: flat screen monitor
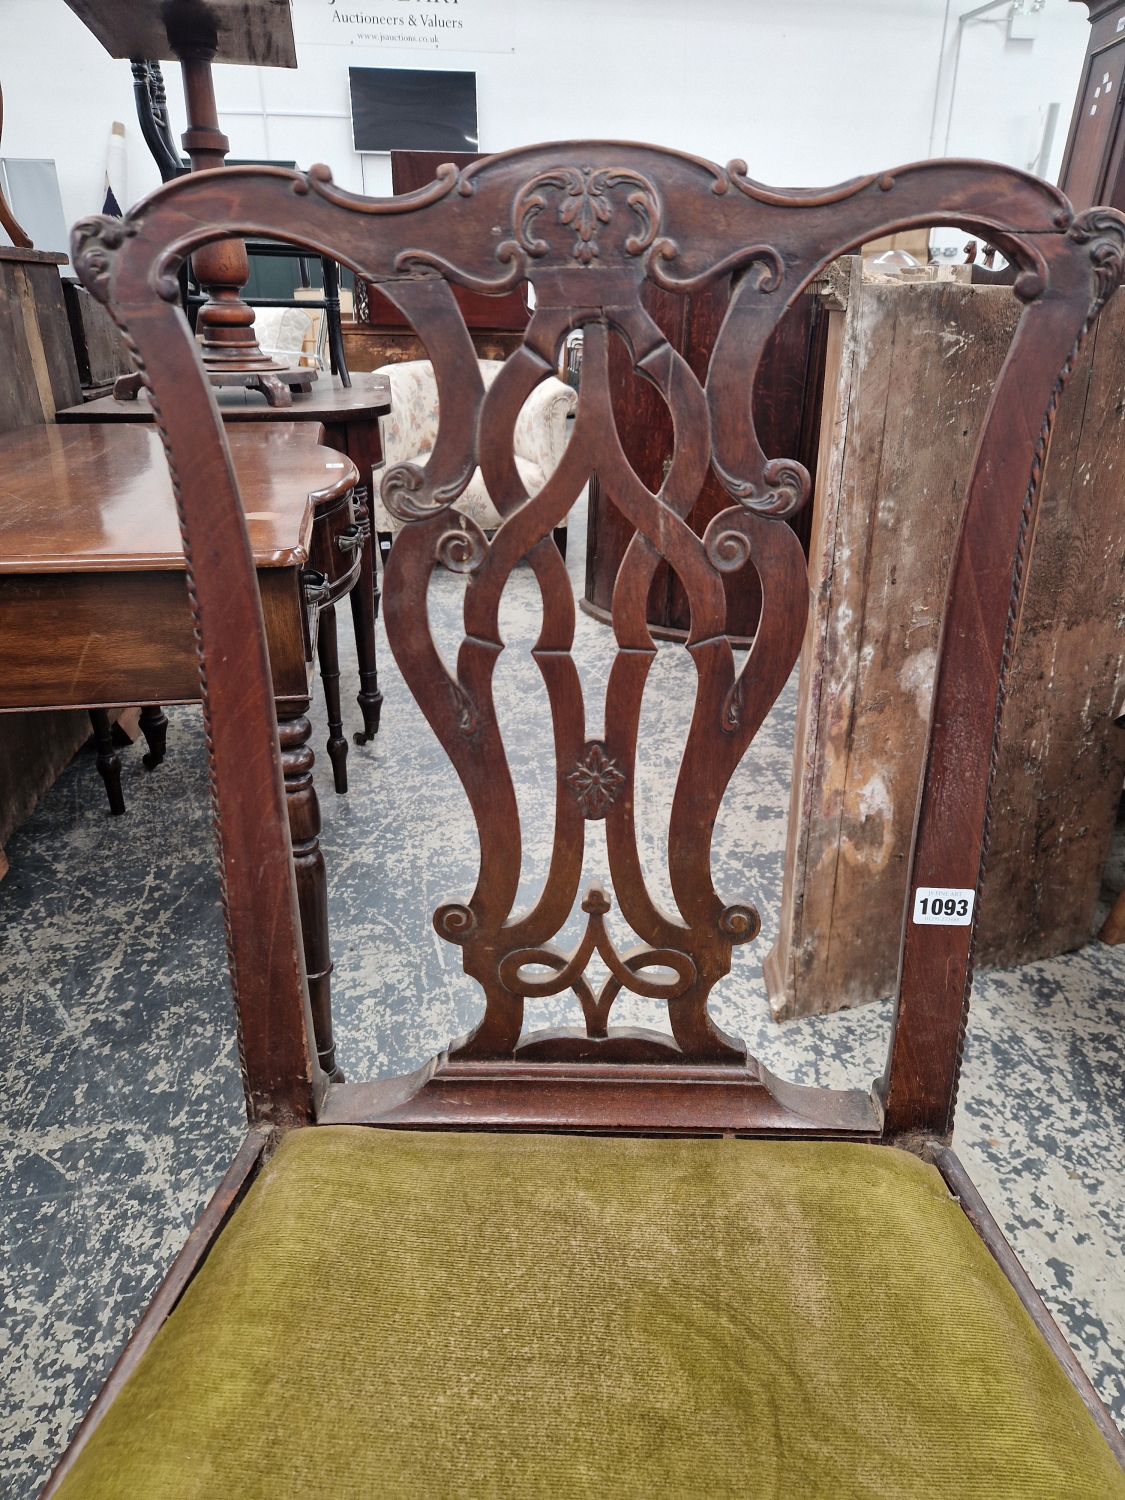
[[413, 109]]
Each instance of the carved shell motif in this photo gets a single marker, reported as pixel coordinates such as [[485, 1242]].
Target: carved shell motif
[[585, 205]]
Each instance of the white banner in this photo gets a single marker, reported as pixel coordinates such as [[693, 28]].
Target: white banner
[[420, 26]]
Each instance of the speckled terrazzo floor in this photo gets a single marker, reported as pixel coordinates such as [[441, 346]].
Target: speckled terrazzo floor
[[121, 1104]]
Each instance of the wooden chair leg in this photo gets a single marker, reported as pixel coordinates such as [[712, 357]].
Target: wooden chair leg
[[328, 652], [297, 762], [109, 766], [365, 611], [384, 538], [154, 727], [559, 534]]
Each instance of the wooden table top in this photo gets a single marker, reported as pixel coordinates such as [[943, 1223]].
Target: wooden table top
[[328, 401], [96, 498]]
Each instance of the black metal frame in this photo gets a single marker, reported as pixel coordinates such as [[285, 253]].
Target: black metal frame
[[330, 302]]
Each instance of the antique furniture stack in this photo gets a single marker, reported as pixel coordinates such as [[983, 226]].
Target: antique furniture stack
[[93, 608], [152, 115], [39, 376], [470, 1280], [199, 33], [343, 550]]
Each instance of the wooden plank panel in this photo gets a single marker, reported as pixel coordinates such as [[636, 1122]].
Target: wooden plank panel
[[367, 348], [46, 294], [99, 344], [20, 404], [916, 368], [1062, 757], [69, 639], [38, 374], [838, 365], [95, 638], [34, 749]]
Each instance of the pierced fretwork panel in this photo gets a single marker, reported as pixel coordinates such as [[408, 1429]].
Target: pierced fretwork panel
[[587, 223], [682, 954], [587, 237]]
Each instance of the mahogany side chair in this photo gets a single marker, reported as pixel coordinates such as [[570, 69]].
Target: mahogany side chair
[[599, 1261]]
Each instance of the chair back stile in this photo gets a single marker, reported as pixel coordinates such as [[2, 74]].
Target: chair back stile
[[282, 1079], [586, 223]]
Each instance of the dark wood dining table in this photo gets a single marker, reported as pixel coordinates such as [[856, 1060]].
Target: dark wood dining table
[[349, 420], [94, 607]]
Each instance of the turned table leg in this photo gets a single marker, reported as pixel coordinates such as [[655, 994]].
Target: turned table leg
[[154, 727], [365, 611], [328, 652], [109, 766], [297, 760]]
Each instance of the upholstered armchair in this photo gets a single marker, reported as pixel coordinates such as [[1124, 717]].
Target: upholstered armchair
[[409, 430]]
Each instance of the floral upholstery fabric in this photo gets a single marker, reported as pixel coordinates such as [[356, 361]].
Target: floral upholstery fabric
[[540, 435], [410, 427], [282, 332], [409, 431]]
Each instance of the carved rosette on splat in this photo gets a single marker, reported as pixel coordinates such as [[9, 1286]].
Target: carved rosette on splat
[[595, 781]]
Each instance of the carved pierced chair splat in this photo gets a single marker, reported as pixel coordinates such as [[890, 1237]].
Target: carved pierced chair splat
[[586, 223]]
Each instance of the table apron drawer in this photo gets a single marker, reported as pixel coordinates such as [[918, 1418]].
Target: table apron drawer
[[78, 639], [337, 541]]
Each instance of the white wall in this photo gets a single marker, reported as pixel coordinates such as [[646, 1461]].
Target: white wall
[[807, 91]]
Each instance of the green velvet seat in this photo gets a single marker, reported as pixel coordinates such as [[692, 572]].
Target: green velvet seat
[[417, 1314]]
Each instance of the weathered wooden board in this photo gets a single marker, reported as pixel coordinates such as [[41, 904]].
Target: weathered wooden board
[[38, 376], [911, 369], [38, 372], [99, 344], [1062, 757], [35, 748]]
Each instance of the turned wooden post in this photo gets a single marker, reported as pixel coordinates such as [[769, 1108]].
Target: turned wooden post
[[226, 323], [303, 807], [365, 611], [328, 652], [154, 727], [108, 762]]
